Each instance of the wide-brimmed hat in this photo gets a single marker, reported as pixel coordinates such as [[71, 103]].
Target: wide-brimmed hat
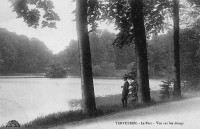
[[125, 76]]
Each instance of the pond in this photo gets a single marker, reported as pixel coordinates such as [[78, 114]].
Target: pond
[[24, 99]]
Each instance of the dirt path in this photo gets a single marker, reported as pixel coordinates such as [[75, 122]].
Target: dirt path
[[184, 114]]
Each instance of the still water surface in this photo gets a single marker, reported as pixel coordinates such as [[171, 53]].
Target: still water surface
[[24, 99]]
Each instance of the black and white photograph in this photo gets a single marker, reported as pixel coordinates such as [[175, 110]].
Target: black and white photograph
[[99, 64]]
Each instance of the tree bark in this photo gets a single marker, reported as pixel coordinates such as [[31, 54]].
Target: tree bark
[[87, 87], [171, 59], [177, 87], [140, 50]]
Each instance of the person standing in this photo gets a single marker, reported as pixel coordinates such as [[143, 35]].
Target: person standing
[[125, 91]]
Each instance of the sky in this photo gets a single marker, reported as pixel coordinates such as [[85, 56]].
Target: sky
[[55, 39]]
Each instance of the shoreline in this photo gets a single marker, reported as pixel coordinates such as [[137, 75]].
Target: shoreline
[[42, 75], [113, 99]]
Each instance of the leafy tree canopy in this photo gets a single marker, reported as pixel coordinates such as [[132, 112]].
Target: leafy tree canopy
[[20, 54], [119, 12], [195, 2], [31, 10], [93, 13]]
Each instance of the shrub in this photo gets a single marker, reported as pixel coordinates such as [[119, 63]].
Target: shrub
[[108, 68], [166, 89], [96, 70]]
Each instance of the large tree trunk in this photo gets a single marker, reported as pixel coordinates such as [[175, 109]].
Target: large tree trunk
[[87, 87], [177, 88], [141, 51]]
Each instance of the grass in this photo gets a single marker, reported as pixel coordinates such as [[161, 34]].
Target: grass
[[60, 118], [105, 106], [56, 119]]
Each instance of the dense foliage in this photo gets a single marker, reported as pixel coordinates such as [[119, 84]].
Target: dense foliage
[[190, 57], [166, 89], [160, 54], [56, 71], [31, 10], [105, 57], [20, 54], [119, 12], [161, 61]]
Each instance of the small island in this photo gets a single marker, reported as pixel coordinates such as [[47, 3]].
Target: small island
[[56, 72]]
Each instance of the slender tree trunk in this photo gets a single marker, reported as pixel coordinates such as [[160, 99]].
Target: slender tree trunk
[[171, 60], [177, 88], [141, 51], [87, 87]]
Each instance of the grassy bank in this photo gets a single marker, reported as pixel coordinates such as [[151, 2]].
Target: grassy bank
[[60, 118], [105, 106]]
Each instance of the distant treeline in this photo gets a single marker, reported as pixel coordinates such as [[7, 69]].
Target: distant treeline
[[106, 58], [19, 54]]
